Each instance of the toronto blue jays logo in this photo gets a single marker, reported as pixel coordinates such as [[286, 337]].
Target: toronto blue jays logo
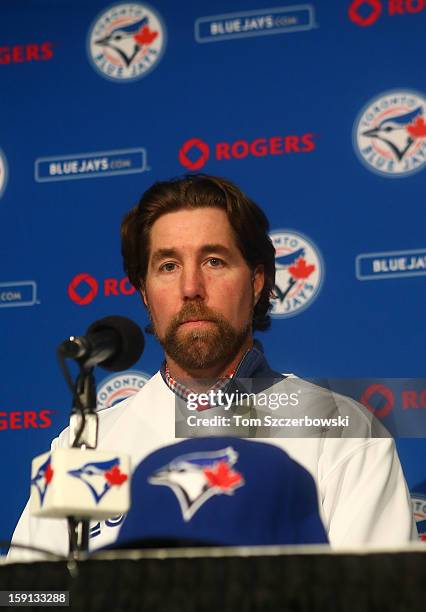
[[196, 477], [390, 134], [126, 41], [100, 476], [118, 387], [299, 273], [43, 478]]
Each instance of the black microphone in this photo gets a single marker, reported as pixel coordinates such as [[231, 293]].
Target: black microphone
[[114, 343]]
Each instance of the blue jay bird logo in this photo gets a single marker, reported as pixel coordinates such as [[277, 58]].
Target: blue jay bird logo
[[299, 272], [100, 476], [289, 262], [126, 41], [399, 132], [390, 134], [43, 478], [196, 477]]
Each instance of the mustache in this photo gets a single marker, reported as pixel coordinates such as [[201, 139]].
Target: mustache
[[195, 311]]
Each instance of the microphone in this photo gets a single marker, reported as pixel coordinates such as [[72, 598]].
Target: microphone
[[114, 343]]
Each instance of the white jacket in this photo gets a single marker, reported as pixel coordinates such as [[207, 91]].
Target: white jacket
[[363, 496]]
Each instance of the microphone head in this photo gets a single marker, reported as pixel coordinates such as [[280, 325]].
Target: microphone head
[[130, 342]]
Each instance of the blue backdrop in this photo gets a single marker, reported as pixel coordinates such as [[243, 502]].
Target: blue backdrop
[[316, 110]]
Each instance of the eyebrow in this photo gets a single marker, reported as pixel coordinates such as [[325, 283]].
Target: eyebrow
[[163, 253]]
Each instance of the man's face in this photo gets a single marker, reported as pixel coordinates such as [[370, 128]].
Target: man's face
[[199, 290]]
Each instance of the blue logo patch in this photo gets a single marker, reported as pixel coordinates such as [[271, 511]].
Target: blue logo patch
[[196, 477], [389, 134], [100, 476], [126, 41], [43, 478], [299, 272]]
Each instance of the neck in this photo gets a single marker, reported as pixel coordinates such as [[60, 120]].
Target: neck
[[204, 378]]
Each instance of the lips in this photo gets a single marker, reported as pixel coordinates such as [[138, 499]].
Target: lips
[[195, 323]]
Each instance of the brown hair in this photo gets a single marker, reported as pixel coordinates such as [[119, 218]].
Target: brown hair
[[248, 221]]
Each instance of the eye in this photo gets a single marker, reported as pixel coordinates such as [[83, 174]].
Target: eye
[[215, 262], [169, 266]]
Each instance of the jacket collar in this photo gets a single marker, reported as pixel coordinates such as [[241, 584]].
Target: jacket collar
[[252, 365]]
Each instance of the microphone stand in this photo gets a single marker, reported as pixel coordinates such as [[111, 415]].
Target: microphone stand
[[115, 338], [83, 434]]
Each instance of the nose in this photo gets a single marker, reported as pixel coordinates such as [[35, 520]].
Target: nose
[[193, 283]]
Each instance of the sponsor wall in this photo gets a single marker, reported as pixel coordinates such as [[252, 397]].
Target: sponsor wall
[[317, 110]]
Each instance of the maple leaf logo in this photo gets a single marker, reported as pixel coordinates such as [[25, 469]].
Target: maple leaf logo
[[48, 474], [145, 36], [115, 477], [222, 476], [418, 128], [301, 270]]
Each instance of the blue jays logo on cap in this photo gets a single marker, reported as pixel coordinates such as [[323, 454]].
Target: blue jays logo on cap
[[196, 477], [299, 273], [100, 476], [126, 41], [43, 478], [229, 492], [389, 135]]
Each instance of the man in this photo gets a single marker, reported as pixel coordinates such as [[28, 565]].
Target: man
[[198, 251]]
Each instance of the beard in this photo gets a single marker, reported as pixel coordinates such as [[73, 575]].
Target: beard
[[203, 348]]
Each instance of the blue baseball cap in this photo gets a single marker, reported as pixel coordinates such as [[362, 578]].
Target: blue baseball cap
[[221, 491]]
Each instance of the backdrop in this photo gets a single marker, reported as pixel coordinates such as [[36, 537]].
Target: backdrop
[[316, 110]]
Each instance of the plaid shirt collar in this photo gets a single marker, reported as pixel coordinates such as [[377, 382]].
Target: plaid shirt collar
[[252, 364], [182, 391]]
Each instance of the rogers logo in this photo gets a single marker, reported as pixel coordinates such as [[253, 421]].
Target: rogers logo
[[195, 153], [202, 154], [410, 399], [385, 393], [26, 419], [366, 12], [83, 288], [26, 53]]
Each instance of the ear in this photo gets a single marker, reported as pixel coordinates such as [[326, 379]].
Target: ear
[[142, 291], [258, 279]]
